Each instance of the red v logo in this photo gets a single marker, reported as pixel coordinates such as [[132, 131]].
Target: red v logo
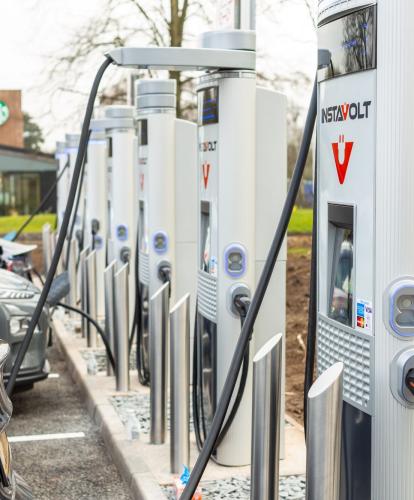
[[345, 111], [342, 166], [206, 173]]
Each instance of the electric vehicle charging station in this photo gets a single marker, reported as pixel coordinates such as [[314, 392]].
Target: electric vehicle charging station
[[62, 187], [96, 224], [72, 145], [122, 182], [242, 184], [365, 238], [231, 55], [235, 252], [167, 234]]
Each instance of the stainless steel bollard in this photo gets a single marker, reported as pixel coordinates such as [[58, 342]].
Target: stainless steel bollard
[[84, 290], [46, 243], [109, 277], [180, 385], [267, 404], [90, 264], [53, 241], [158, 336], [122, 329], [323, 450], [73, 292]]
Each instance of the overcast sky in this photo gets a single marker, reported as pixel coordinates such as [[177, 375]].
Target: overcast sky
[[32, 31]]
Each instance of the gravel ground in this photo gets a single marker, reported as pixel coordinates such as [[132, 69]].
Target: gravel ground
[[290, 488], [100, 358], [62, 469], [139, 406]]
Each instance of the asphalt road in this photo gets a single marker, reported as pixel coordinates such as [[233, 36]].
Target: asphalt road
[[77, 468]]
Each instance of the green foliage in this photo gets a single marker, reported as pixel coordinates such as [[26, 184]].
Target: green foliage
[[301, 222], [32, 134], [13, 223]]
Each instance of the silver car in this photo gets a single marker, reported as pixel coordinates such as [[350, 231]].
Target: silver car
[[12, 486], [18, 299]]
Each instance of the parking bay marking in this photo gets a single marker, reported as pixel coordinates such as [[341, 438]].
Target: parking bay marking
[[46, 437]]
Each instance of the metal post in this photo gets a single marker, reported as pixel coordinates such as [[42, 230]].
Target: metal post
[[122, 329], [237, 14], [47, 255], [109, 277], [251, 15], [62, 263], [245, 14], [84, 290], [54, 237], [323, 450], [73, 292], [158, 326], [267, 403], [90, 263], [180, 385]]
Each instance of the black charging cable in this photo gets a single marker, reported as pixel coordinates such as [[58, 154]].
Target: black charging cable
[[98, 327], [137, 326], [257, 300], [83, 143], [42, 204], [312, 313], [242, 304]]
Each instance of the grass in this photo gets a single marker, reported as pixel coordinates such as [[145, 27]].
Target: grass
[[301, 222], [13, 223], [299, 251]]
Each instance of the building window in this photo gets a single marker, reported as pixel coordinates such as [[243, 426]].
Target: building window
[[19, 192]]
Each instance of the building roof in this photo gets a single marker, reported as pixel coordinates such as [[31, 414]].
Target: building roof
[[24, 160]]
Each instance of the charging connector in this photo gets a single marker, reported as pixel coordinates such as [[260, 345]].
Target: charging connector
[[164, 271], [242, 304]]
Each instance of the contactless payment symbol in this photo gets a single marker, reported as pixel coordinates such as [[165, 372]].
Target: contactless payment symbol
[[364, 314], [342, 151]]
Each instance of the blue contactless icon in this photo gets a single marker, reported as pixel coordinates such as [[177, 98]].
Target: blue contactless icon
[[160, 242], [235, 261], [122, 232]]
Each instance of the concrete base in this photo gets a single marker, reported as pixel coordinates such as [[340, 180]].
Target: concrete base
[[144, 466]]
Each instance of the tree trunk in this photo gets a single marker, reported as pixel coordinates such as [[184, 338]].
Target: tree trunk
[[176, 28]]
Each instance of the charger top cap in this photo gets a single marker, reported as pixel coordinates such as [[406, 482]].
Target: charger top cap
[[119, 111], [98, 125], [117, 117], [156, 94], [60, 147], [229, 40], [72, 140], [148, 86]]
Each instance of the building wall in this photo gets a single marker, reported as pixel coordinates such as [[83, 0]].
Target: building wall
[[11, 133]]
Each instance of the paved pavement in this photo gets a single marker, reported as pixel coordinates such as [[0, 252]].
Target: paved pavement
[[58, 469]]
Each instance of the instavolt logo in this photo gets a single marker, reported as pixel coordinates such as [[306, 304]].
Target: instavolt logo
[[346, 111]]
